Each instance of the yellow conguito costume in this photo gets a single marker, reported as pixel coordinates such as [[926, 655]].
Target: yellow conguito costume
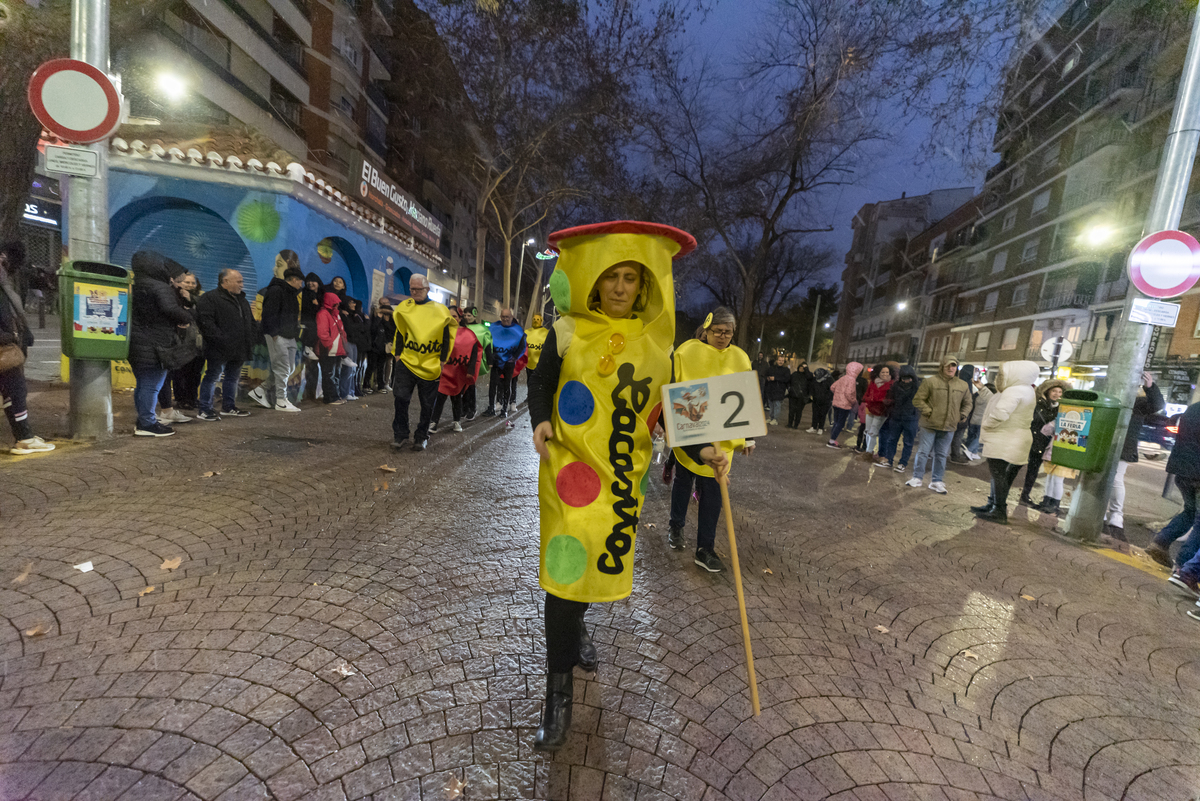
[[695, 360], [420, 329], [534, 339], [607, 401]]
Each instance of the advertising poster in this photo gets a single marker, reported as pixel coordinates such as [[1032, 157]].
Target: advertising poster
[[1072, 427], [101, 312], [713, 409]]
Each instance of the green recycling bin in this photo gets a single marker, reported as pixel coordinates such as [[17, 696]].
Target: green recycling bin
[[1084, 429], [94, 305]]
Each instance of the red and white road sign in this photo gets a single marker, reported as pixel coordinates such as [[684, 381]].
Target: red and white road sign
[[1165, 264], [74, 101]]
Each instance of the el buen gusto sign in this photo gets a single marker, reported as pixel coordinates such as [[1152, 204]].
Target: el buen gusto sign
[[394, 202]]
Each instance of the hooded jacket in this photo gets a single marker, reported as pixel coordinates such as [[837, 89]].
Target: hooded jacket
[[156, 309], [967, 373], [331, 334], [845, 389], [820, 388], [777, 389], [310, 304], [280, 310], [981, 401], [358, 327], [1185, 456], [1044, 412], [798, 386], [1005, 430], [901, 395], [943, 401], [877, 399], [1150, 403], [383, 330]]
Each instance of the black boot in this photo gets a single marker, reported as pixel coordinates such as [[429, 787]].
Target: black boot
[[1048, 506], [675, 537], [587, 650], [556, 717], [1025, 500], [987, 508], [998, 514]]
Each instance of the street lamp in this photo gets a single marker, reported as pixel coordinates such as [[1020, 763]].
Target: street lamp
[[172, 86]]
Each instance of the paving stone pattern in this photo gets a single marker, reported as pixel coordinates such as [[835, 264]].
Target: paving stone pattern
[[896, 656]]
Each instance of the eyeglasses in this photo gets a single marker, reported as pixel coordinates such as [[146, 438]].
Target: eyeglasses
[[720, 332]]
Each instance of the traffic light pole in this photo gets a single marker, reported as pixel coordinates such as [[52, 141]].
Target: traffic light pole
[[1131, 344], [91, 415]]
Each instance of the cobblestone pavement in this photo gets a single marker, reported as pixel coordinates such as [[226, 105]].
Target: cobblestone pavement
[[904, 650]]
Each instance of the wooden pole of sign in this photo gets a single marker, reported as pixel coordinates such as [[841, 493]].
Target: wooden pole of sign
[[723, 481]]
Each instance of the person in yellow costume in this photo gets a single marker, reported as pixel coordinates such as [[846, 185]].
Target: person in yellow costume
[[593, 402], [425, 332], [535, 338], [709, 354]]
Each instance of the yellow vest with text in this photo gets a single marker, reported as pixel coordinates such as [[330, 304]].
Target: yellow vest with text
[[695, 360], [420, 329], [534, 339]]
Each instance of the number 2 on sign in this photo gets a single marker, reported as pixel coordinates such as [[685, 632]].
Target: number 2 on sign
[[741, 401]]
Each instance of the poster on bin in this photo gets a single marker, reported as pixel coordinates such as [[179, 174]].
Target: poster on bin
[[1072, 427], [101, 312], [713, 409]]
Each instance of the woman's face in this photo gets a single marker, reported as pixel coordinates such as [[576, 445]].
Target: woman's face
[[720, 335], [338, 284], [1054, 394], [189, 282], [885, 374], [619, 287]]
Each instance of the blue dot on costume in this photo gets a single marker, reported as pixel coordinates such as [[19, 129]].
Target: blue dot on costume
[[575, 403]]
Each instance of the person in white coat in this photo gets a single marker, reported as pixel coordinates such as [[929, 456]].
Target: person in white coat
[[1005, 433]]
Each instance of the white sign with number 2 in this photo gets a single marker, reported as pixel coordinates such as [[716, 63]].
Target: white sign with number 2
[[713, 409]]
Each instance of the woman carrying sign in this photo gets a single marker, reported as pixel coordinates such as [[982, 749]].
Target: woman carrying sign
[[709, 354], [594, 400]]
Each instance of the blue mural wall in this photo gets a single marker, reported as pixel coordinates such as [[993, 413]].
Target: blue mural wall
[[208, 226]]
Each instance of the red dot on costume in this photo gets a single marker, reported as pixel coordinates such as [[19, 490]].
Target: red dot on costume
[[652, 419], [577, 484]]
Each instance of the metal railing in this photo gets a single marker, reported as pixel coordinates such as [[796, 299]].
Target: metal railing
[[1112, 290], [1087, 194], [1097, 140], [1075, 301]]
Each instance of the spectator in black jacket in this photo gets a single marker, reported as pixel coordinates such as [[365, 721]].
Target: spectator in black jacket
[[1149, 401], [821, 390], [798, 394], [1046, 411], [227, 325], [280, 329], [383, 331], [358, 343], [777, 379], [159, 317], [1184, 464], [310, 304], [14, 330]]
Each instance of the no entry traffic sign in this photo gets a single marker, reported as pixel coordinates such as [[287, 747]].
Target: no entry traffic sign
[[1165, 264], [74, 101]]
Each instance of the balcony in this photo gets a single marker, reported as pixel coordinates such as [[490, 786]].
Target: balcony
[[1087, 194], [1112, 290], [1096, 141], [1077, 301], [1102, 91], [1162, 96], [1094, 350]]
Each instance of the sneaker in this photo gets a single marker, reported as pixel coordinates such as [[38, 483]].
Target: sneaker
[[913, 482], [1194, 614], [457, 426], [310, 355], [208, 417], [175, 416], [351, 397], [156, 430], [709, 561], [882, 462], [337, 402], [834, 445], [489, 412], [384, 390], [420, 446], [773, 423], [31, 445], [367, 391], [900, 468], [512, 408], [286, 406], [811, 431], [675, 538], [1185, 582], [259, 396], [433, 428], [235, 412], [1159, 554], [470, 416], [974, 457], [938, 487], [398, 444]]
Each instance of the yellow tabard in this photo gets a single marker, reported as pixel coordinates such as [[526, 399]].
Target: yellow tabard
[[419, 331], [534, 339], [592, 487], [695, 360]]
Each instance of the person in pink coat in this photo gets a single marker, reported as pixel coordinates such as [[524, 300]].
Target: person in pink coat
[[331, 345], [844, 397]]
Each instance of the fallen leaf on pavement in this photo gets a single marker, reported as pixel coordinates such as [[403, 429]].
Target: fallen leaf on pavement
[[970, 655], [171, 564], [84, 567], [385, 486], [882, 629], [386, 469], [211, 473], [649, 526], [767, 570], [344, 669], [38, 630], [1028, 598], [848, 525], [454, 788], [145, 591], [24, 574]]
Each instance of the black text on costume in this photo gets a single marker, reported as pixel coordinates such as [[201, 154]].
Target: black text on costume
[[620, 456], [432, 346]]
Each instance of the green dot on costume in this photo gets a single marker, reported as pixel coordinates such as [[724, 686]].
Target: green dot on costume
[[575, 403], [577, 484], [566, 559], [560, 291], [646, 481]]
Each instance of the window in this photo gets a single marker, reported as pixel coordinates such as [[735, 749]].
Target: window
[[992, 300], [1035, 339], [1050, 156], [1030, 251], [1073, 334], [982, 339], [1010, 339], [1070, 64], [1000, 262], [1020, 295], [1037, 93], [1040, 201], [1010, 220], [1018, 178]]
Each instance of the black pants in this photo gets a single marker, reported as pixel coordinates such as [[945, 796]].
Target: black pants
[[1032, 468], [795, 411], [12, 398], [469, 406], [710, 504], [329, 377], [456, 407], [164, 395], [403, 385], [376, 377], [312, 370], [501, 385], [820, 411], [186, 381], [1003, 474], [564, 620]]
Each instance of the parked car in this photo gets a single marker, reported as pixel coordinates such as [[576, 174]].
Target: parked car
[[1157, 436]]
